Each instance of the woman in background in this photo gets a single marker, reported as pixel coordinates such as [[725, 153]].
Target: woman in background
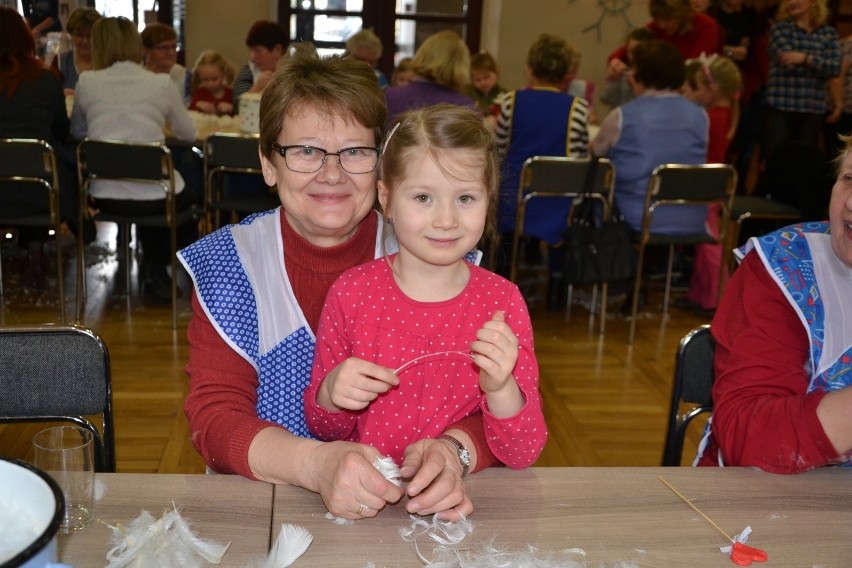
[[121, 100], [32, 105], [159, 53], [78, 59], [442, 69]]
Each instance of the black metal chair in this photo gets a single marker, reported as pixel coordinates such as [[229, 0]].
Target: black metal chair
[[675, 185], [693, 384], [29, 179], [756, 208], [225, 154], [137, 162], [562, 178], [60, 373]]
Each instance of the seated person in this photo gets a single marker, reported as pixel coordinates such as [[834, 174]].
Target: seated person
[[266, 42], [484, 77], [210, 91], [659, 126], [367, 47], [782, 393], [159, 53]]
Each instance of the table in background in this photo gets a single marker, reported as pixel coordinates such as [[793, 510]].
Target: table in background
[[224, 508], [613, 514]]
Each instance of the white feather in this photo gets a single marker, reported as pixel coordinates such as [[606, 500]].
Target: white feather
[[169, 541], [292, 542], [389, 470]]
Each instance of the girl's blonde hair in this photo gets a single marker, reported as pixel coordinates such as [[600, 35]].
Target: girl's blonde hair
[[212, 57], [723, 73], [435, 131], [405, 64], [114, 40], [445, 59], [819, 12]]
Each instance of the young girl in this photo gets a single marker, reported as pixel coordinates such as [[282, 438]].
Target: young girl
[[484, 75], [210, 91], [714, 82], [412, 342]]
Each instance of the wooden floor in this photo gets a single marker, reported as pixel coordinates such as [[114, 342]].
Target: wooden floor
[[605, 402]]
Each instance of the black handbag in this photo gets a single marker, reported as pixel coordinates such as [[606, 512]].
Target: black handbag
[[597, 251]]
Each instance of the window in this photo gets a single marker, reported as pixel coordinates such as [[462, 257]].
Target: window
[[329, 23]]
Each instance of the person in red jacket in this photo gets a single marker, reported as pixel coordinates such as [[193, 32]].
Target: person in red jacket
[[675, 21], [783, 379]]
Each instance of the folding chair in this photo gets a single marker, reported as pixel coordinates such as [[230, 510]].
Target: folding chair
[[752, 207], [138, 162], [30, 166], [693, 383], [678, 185], [561, 180], [224, 154], [56, 373]]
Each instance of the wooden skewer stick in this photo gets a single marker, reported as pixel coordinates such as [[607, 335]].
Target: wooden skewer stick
[[697, 510]]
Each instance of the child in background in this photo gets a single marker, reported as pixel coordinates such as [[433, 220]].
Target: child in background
[[366, 46], [483, 86], [581, 87], [404, 72], [411, 342], [210, 91], [616, 89], [715, 83]]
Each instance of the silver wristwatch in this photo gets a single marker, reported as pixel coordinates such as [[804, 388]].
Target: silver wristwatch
[[464, 454]]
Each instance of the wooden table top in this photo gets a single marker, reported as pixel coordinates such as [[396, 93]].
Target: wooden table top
[[613, 515], [224, 508]]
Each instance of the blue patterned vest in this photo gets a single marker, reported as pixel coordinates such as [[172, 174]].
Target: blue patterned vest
[[817, 284], [253, 308]]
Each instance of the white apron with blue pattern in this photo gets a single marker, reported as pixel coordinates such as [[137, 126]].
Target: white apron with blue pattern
[[254, 310]]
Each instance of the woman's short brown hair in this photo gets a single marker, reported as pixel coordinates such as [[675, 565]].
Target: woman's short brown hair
[[445, 59], [156, 33], [82, 19], [550, 58], [335, 86], [113, 40], [658, 64]]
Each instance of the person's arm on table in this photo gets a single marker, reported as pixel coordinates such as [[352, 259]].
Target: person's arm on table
[[762, 415], [226, 431]]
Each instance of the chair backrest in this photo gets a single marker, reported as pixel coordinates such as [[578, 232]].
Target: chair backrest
[[58, 373], [560, 177], [145, 162], [693, 384], [29, 163], [232, 152]]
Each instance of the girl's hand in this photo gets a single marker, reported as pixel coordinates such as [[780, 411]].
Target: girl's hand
[[224, 108], [354, 384], [206, 107], [495, 352]]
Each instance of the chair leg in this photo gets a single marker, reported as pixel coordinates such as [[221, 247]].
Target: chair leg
[[125, 230], [569, 302], [636, 284], [668, 292], [60, 275], [604, 292], [81, 275]]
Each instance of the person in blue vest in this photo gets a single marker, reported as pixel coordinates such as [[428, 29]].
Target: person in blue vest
[[659, 126], [782, 393], [259, 288], [539, 120]]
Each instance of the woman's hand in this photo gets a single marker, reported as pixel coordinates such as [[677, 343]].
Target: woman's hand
[[354, 384], [436, 484], [792, 58], [345, 478]]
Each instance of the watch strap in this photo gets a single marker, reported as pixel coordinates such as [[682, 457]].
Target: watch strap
[[463, 452]]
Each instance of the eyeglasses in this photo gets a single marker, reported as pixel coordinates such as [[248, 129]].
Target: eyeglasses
[[309, 159], [167, 47]]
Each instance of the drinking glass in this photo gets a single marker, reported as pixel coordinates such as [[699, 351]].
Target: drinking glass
[[67, 454]]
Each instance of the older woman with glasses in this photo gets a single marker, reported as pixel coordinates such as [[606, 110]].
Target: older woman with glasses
[[259, 290], [159, 53], [78, 59]]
